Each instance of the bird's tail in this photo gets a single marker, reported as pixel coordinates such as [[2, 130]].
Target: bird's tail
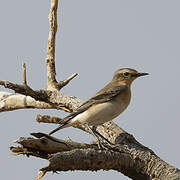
[[66, 122], [64, 125]]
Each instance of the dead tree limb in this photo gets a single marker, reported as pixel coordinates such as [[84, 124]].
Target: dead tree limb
[[53, 97], [14, 101], [52, 83], [24, 75], [50, 61], [128, 157]]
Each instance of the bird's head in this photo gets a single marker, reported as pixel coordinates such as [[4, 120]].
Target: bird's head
[[127, 75]]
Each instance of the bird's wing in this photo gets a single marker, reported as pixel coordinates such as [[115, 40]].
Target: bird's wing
[[106, 94]]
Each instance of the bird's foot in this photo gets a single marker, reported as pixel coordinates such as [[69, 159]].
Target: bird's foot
[[103, 146]]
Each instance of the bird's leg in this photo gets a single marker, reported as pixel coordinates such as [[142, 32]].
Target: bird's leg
[[97, 138], [97, 133]]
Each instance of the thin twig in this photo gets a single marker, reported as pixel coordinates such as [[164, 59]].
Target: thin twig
[[61, 84], [40, 175], [24, 75], [48, 119]]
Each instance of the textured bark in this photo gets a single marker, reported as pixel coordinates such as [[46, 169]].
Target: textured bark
[[10, 102], [120, 160], [50, 61], [128, 156], [64, 102], [52, 83]]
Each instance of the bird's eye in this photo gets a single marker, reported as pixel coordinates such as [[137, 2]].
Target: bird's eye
[[126, 74]]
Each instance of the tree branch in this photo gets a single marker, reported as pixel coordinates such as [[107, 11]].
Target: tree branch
[[126, 160], [63, 101], [52, 83], [48, 119], [10, 102], [50, 60], [132, 159], [61, 84], [24, 75]]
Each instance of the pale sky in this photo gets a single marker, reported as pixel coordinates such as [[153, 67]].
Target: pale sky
[[95, 38]]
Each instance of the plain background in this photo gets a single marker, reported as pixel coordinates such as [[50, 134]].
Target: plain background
[[95, 38]]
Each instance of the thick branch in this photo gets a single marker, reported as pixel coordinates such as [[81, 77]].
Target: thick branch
[[133, 160], [128, 161], [10, 102], [64, 102]]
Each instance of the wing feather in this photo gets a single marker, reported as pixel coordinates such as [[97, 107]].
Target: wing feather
[[96, 99], [105, 95]]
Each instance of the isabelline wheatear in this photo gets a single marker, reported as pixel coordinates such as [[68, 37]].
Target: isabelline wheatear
[[106, 104]]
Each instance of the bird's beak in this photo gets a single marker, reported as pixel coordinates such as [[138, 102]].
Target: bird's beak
[[143, 74], [140, 74]]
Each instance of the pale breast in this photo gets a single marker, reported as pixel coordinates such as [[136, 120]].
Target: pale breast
[[104, 112]]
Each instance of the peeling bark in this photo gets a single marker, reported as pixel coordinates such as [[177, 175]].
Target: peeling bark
[[11, 102]]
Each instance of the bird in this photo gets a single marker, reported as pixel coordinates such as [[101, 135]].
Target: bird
[[106, 104]]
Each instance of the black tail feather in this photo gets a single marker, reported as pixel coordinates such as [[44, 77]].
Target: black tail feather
[[58, 128]]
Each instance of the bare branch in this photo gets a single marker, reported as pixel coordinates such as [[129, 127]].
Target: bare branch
[[63, 101], [57, 120], [111, 131], [48, 119], [52, 83], [24, 74], [28, 152], [61, 84], [40, 175], [132, 159], [10, 102], [132, 162], [50, 61], [46, 145]]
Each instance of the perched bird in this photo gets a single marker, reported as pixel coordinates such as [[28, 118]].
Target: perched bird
[[106, 104]]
